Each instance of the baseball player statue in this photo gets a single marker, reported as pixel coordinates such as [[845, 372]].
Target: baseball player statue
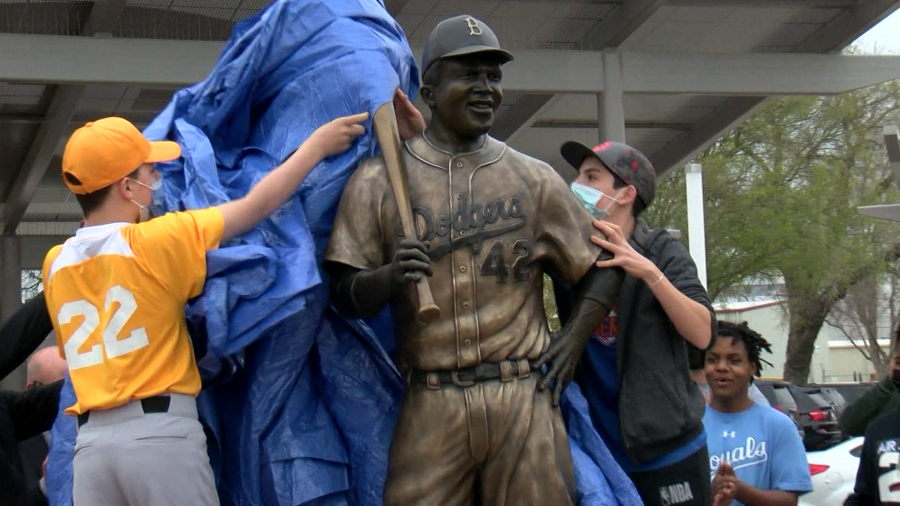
[[478, 423]]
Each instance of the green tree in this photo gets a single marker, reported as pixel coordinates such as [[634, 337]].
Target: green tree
[[781, 193]]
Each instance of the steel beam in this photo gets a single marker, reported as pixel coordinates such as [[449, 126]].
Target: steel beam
[[52, 130], [616, 28], [755, 74], [892, 145], [81, 60], [847, 27], [529, 114], [815, 4], [890, 212], [55, 211], [524, 112], [644, 125], [704, 133], [611, 101], [102, 19], [838, 34]]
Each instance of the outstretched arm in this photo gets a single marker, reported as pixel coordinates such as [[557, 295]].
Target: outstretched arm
[[268, 194]]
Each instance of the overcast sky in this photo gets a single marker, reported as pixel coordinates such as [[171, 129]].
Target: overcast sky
[[883, 37]]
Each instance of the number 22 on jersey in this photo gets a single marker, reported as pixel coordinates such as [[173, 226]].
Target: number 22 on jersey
[[114, 346], [889, 481]]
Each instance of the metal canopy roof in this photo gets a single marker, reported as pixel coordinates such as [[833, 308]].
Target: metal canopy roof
[[690, 69]]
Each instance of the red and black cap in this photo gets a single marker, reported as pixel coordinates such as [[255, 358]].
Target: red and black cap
[[622, 160]]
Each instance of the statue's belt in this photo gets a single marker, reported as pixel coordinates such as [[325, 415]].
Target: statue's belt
[[506, 370]]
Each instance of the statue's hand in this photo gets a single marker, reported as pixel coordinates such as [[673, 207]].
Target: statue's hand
[[410, 263], [562, 357]]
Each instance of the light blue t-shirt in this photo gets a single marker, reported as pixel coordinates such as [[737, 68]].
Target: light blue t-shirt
[[761, 444]]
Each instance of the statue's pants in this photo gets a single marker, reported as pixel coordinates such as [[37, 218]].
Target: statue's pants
[[493, 443]]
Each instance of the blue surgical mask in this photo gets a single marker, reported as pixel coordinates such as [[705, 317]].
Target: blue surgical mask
[[590, 198]]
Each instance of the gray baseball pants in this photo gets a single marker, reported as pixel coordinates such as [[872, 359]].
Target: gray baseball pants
[[126, 457]]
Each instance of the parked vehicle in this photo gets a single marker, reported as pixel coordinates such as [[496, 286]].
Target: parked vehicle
[[833, 396], [818, 418], [833, 473], [849, 391], [781, 399]]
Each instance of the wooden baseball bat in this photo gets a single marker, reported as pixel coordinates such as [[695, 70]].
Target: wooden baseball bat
[[385, 122]]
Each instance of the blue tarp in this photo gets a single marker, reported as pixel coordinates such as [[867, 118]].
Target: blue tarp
[[299, 403]]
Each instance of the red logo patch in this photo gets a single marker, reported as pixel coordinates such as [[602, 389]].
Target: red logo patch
[[634, 165], [602, 147]]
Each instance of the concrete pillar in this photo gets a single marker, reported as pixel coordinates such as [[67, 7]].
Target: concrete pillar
[[11, 297], [696, 222], [610, 102]]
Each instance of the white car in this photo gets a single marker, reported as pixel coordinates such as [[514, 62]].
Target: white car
[[833, 473]]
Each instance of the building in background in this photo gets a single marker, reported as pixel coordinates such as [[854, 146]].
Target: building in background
[[836, 359]]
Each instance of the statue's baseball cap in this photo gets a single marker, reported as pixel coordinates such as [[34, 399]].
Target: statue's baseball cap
[[104, 151], [459, 36], [622, 160]]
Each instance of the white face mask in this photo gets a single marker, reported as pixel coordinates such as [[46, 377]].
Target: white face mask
[[590, 198], [144, 214], [154, 187]]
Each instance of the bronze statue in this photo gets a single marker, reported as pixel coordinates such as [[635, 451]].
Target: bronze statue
[[477, 424]]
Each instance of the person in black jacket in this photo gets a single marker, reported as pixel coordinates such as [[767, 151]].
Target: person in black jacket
[[634, 371], [45, 367], [23, 414], [878, 477]]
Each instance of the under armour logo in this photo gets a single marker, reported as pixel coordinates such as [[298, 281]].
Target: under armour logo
[[474, 27], [728, 434]]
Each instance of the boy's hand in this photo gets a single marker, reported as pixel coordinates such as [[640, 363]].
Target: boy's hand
[[724, 485], [337, 136], [625, 256]]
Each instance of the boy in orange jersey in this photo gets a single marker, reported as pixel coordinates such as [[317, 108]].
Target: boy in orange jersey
[[116, 294]]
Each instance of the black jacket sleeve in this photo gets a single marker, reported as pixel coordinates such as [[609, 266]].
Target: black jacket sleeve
[[34, 410], [878, 400], [678, 266], [23, 332]]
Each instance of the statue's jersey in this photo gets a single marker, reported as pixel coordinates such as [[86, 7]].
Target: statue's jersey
[[116, 294], [493, 220]]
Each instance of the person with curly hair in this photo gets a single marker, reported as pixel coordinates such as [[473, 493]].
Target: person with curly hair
[[756, 455]]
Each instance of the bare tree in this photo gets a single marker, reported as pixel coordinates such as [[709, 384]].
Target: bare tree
[[869, 311], [31, 284]]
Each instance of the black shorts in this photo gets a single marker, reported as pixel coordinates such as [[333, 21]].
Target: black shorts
[[684, 483]]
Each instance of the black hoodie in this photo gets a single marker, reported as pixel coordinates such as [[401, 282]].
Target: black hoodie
[[878, 478]]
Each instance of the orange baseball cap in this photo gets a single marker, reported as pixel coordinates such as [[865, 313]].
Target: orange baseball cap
[[104, 151]]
